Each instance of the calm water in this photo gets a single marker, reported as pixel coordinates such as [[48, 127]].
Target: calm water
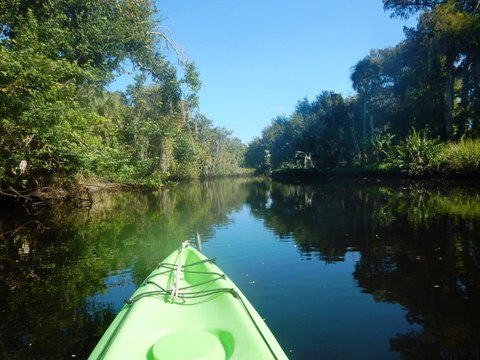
[[339, 271]]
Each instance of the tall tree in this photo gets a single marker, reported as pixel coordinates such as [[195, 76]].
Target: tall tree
[[55, 59], [451, 30], [366, 81]]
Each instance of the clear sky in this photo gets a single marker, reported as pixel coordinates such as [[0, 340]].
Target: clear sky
[[258, 58]]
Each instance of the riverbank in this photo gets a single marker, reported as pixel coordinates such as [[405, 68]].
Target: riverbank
[[78, 190], [373, 172]]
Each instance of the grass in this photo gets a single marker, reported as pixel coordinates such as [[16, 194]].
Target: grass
[[417, 157], [461, 158]]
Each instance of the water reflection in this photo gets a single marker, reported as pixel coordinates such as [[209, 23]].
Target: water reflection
[[54, 263], [420, 248], [65, 272]]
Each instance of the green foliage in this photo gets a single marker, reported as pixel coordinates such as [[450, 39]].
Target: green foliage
[[427, 81], [461, 158], [41, 120], [322, 128], [418, 154], [382, 146], [443, 59], [58, 121], [254, 153]]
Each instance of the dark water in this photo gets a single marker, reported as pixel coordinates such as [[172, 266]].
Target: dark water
[[339, 271]]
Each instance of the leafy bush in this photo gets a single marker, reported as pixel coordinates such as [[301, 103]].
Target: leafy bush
[[382, 146], [460, 158], [418, 155]]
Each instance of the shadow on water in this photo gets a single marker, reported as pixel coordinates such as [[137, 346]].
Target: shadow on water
[[65, 272]]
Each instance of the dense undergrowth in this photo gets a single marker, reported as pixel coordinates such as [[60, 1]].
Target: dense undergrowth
[[421, 156], [418, 156]]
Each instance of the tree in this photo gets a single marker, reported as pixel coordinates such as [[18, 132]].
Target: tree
[[56, 118], [322, 129], [307, 158], [254, 153], [451, 30], [366, 81]]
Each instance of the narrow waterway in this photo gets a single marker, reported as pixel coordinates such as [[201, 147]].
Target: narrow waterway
[[341, 270]]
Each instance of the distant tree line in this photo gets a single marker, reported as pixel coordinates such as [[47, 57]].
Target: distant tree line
[[58, 121], [423, 91]]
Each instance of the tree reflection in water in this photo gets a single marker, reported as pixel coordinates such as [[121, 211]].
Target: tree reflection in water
[[55, 264], [419, 245]]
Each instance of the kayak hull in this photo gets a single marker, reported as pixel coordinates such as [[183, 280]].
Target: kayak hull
[[192, 311]]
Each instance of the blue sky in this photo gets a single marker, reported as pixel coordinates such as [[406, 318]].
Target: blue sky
[[258, 58]]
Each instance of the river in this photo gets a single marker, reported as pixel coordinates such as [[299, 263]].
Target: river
[[343, 270]]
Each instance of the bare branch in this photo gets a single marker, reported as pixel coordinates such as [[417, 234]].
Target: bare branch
[[307, 158], [144, 67], [28, 141], [171, 44]]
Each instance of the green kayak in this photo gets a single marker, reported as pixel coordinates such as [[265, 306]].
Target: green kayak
[[187, 309]]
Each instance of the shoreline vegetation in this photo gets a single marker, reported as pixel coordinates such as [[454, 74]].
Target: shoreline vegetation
[[369, 174], [451, 161], [415, 114], [79, 192], [61, 126]]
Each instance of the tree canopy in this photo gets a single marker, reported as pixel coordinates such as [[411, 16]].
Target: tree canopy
[[57, 118], [429, 82]]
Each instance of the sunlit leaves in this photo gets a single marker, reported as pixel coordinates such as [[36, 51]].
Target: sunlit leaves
[[57, 118]]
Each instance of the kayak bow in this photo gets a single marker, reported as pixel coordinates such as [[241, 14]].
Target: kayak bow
[[187, 309]]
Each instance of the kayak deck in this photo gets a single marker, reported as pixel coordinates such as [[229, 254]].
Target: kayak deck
[[188, 308]]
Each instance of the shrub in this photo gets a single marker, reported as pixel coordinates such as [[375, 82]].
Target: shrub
[[460, 158], [382, 146], [418, 155]]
